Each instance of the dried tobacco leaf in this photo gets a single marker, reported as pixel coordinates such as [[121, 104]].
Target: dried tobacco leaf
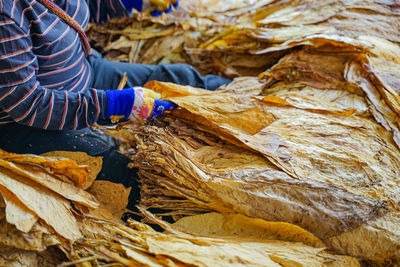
[[118, 243], [19, 258], [316, 170], [113, 196], [221, 37], [321, 150], [62, 167], [250, 254], [338, 99], [51, 182], [17, 213], [240, 226], [37, 239], [355, 71], [81, 158], [107, 242], [50, 207]]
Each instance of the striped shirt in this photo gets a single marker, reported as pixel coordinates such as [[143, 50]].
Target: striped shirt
[[44, 74]]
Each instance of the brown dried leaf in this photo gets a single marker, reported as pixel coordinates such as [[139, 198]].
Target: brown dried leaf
[[113, 196], [19, 258], [37, 239], [273, 253], [168, 90], [313, 155]]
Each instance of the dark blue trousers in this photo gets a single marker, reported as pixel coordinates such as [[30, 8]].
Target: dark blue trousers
[[106, 75]]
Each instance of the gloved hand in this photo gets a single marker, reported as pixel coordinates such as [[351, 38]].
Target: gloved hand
[[135, 104], [157, 7]]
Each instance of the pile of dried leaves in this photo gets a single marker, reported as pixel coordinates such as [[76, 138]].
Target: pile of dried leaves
[[313, 140], [294, 156], [236, 38], [274, 169], [48, 219]]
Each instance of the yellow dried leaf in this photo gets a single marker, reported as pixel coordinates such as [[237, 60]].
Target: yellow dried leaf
[[19, 258], [83, 159], [310, 104], [50, 207], [52, 182], [37, 239], [147, 260], [272, 253], [318, 159], [66, 167], [314, 160], [121, 244], [241, 115], [167, 90], [240, 226], [17, 213]]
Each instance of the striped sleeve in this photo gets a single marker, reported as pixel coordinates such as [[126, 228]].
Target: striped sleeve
[[26, 101], [103, 10]]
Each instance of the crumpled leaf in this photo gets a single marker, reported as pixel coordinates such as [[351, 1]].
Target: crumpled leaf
[[315, 162], [108, 242], [249, 254], [113, 196], [63, 167], [48, 206], [338, 99], [37, 239], [167, 90], [17, 213], [320, 162], [310, 104], [138, 246], [19, 258], [51, 182], [240, 226], [82, 159]]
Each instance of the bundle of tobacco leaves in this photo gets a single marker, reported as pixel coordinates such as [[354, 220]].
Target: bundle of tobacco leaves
[[271, 168], [48, 219], [313, 142]]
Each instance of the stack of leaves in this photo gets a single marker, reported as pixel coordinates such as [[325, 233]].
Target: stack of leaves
[[316, 144], [202, 33], [308, 146], [40, 198], [236, 38], [47, 218], [247, 242]]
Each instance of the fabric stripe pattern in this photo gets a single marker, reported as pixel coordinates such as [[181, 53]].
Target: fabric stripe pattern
[[44, 72]]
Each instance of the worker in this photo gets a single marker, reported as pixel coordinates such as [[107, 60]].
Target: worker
[[53, 86]]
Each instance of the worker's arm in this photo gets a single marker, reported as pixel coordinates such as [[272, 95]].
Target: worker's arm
[[28, 102]]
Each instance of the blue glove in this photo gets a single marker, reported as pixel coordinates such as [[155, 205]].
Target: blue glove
[[134, 104], [161, 106], [157, 6]]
